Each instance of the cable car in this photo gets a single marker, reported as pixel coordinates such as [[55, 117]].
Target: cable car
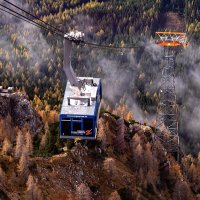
[[82, 100], [80, 112]]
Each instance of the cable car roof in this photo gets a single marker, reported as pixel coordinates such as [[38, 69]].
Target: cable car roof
[[79, 103]]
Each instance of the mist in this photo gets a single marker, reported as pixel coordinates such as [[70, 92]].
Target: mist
[[120, 84], [28, 37], [188, 95]]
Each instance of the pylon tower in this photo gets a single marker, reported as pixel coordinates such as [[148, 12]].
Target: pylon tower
[[167, 116]]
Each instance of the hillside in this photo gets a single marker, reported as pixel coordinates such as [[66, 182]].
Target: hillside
[[101, 170], [124, 162]]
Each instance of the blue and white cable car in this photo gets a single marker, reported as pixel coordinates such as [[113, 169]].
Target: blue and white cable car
[[82, 101]]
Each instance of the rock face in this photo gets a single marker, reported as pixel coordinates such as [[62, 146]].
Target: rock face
[[20, 111], [4, 106]]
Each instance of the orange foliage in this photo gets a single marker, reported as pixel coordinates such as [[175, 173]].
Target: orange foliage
[[114, 196], [7, 147], [175, 171], [122, 111]]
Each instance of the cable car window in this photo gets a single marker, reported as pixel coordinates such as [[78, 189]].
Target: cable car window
[[76, 126], [88, 126], [66, 128]]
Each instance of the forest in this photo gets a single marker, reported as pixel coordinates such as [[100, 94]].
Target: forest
[[31, 61]]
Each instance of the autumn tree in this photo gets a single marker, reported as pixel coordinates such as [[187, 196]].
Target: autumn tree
[[192, 172], [175, 170], [122, 111], [32, 192], [182, 191], [138, 162], [129, 116], [159, 151], [44, 136], [110, 166], [7, 147], [138, 157], [135, 141], [151, 166], [19, 144], [114, 196], [69, 196], [83, 192], [23, 164], [29, 144], [102, 135]]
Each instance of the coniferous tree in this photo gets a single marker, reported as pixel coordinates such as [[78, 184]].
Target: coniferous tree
[[7, 146], [182, 191], [102, 135], [114, 196], [23, 164], [83, 192], [110, 166], [151, 166], [33, 192], [44, 136], [19, 144], [29, 144]]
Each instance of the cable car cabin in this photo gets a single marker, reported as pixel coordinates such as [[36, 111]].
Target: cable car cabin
[[80, 110]]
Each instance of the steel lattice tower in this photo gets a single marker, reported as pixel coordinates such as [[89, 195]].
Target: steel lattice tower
[[167, 122]]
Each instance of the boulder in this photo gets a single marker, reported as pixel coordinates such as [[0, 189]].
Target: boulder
[[21, 112]]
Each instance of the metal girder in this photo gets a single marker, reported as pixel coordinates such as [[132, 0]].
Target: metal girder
[[167, 123]]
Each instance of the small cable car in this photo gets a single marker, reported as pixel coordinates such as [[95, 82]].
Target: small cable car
[[82, 100]]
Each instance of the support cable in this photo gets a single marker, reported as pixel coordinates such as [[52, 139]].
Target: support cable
[[37, 18], [56, 30], [19, 17], [26, 18]]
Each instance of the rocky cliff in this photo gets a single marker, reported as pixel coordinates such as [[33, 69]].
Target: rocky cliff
[[18, 107]]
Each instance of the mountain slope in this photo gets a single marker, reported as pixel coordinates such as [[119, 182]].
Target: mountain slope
[[143, 170]]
